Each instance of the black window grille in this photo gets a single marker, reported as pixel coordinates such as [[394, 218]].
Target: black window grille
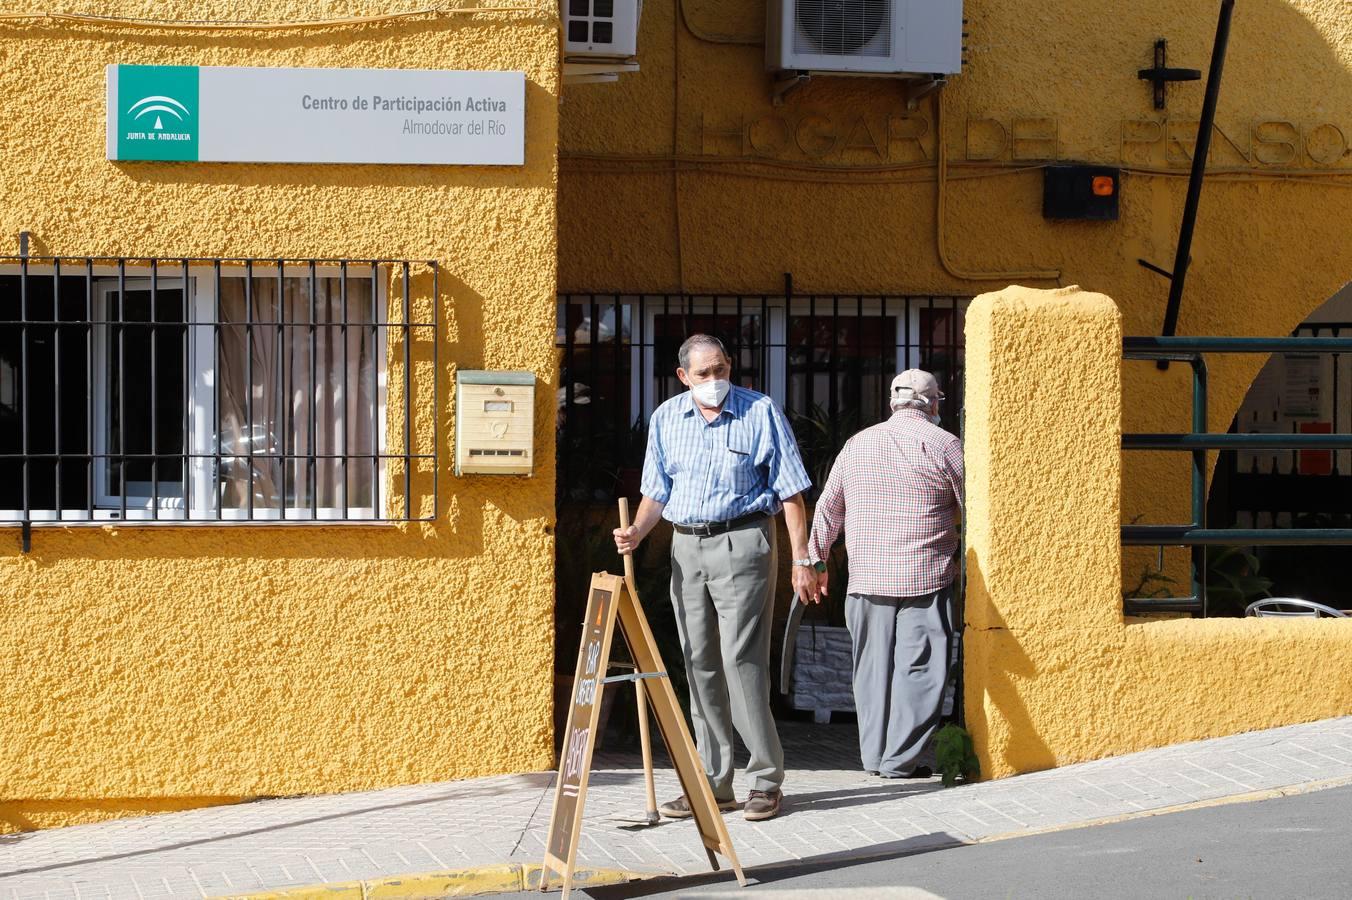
[[213, 390], [828, 361]]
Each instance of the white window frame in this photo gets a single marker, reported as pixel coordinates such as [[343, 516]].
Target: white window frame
[[202, 506], [170, 492], [777, 362]]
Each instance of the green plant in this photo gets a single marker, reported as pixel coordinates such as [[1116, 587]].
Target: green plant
[[1232, 579], [955, 755], [821, 435]]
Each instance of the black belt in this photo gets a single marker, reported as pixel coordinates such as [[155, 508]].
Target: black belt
[[708, 529]]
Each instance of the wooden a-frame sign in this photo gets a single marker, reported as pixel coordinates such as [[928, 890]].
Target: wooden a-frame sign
[[610, 599]]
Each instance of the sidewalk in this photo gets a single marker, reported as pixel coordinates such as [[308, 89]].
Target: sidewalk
[[830, 812]]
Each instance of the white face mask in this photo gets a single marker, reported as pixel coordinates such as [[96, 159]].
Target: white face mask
[[710, 394]]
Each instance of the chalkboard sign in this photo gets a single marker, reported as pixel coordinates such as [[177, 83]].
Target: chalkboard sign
[[580, 736], [611, 599]]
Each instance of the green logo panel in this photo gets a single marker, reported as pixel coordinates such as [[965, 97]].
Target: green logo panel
[[157, 112]]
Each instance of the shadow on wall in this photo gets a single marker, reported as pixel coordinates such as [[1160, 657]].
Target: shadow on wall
[[1005, 669]]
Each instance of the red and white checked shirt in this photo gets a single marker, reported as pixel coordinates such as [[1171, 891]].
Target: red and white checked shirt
[[896, 488]]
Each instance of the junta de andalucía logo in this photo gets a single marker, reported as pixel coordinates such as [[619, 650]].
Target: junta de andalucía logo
[[159, 106], [158, 112]]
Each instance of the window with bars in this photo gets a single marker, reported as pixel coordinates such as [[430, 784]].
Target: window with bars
[[827, 360], [225, 390]]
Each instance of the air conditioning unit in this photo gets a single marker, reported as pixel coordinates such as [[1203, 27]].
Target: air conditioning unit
[[865, 37], [601, 29]]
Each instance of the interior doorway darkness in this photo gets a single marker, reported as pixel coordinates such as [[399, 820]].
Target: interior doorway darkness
[[1296, 393]]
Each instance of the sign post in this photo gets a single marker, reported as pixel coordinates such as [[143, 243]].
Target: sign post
[[640, 689], [613, 599]]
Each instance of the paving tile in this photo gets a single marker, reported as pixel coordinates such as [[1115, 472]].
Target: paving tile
[[834, 810]]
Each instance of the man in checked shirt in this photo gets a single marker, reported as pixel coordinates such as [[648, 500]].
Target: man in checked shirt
[[721, 462], [896, 489]]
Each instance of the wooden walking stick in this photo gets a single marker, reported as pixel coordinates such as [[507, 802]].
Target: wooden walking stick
[[640, 690]]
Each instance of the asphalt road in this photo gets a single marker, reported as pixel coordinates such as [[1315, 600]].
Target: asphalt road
[[1291, 847]]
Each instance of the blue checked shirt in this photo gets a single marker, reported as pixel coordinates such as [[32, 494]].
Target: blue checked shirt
[[744, 461]]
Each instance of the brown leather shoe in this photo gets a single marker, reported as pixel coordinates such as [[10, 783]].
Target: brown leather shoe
[[680, 807], [762, 805]]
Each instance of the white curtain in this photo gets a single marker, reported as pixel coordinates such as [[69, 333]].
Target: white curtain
[[287, 414]]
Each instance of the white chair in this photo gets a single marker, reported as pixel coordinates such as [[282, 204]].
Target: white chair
[[1291, 608]]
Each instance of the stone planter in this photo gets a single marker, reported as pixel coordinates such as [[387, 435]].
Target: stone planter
[[823, 666]]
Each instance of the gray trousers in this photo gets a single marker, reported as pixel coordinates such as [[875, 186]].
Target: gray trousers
[[901, 648], [722, 588]]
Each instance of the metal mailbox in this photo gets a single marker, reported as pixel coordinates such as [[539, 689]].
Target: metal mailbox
[[495, 423]]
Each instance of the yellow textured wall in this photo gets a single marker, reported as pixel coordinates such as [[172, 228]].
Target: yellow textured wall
[[151, 668], [1054, 673], [686, 176]]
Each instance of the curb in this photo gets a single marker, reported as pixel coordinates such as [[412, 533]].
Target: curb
[[511, 877], [1292, 790], [470, 882]]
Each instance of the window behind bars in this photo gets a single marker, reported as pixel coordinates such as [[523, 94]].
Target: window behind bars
[[827, 360], [222, 390]]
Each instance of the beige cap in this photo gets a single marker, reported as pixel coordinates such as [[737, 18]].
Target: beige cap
[[916, 384]]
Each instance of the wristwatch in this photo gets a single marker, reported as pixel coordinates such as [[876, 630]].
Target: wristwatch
[[819, 566]]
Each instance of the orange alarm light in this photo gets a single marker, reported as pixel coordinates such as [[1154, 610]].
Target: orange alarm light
[[1102, 186]]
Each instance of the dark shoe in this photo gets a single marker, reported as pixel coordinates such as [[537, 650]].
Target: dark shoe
[[870, 771], [680, 807], [917, 772], [762, 805]]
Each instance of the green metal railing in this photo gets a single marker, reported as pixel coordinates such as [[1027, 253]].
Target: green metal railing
[[1195, 535]]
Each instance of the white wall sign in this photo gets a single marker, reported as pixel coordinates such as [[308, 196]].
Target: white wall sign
[[237, 114]]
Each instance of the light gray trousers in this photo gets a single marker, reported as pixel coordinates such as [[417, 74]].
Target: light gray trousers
[[722, 588], [901, 648]]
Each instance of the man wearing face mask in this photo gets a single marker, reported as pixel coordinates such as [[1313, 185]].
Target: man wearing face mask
[[896, 489], [721, 462]]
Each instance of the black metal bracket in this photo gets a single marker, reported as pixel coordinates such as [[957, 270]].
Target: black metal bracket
[[1161, 74], [26, 538], [1147, 264], [785, 84], [919, 90], [638, 676]]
